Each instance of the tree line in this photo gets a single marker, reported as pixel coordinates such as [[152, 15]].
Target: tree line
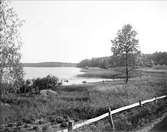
[[140, 59]]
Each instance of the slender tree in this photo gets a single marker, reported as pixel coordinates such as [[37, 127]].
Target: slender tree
[[125, 44], [10, 41]]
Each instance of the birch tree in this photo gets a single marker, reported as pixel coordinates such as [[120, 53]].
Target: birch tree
[[10, 42]]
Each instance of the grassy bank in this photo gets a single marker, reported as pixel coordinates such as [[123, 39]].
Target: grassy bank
[[107, 73], [81, 102], [131, 120]]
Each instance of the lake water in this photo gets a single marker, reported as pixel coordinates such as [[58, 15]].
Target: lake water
[[63, 73]]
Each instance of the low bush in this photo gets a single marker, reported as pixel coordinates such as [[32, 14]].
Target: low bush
[[47, 82], [35, 85]]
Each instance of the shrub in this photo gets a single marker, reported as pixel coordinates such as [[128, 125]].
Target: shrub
[[26, 86], [35, 85], [47, 82]]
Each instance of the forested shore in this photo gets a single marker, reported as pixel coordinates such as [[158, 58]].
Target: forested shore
[[139, 59]]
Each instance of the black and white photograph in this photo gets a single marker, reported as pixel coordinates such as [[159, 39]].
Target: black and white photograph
[[83, 66]]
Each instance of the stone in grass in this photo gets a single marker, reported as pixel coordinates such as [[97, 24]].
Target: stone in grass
[[64, 124], [10, 125], [25, 120], [26, 125], [44, 128], [19, 123], [60, 119], [35, 128], [40, 121], [66, 118], [52, 119], [48, 92]]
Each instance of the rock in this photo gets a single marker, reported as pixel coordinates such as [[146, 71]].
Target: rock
[[64, 124], [60, 119], [40, 121], [84, 82], [48, 92]]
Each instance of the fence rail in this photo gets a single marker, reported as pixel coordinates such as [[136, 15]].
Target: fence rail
[[140, 103]]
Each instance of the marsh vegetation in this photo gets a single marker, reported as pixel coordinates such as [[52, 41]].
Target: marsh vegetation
[[85, 101]]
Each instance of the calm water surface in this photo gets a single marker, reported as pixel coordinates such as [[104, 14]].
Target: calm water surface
[[63, 73]]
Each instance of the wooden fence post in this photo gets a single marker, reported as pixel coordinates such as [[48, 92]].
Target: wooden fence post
[[140, 104], [111, 119], [155, 100], [70, 125]]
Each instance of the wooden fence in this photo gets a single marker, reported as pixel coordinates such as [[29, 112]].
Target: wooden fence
[[71, 125]]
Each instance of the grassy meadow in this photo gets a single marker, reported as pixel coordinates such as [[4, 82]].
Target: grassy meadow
[[85, 101]]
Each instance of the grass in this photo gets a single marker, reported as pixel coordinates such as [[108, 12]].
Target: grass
[[111, 73], [130, 120], [81, 102]]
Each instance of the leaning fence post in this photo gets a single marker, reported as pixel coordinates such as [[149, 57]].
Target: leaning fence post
[[140, 104], [70, 125], [111, 120], [155, 100]]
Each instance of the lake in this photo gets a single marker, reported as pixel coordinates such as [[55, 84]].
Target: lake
[[63, 73]]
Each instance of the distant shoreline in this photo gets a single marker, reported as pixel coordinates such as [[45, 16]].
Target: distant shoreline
[[49, 64]]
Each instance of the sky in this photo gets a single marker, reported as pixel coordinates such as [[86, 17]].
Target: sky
[[70, 31]]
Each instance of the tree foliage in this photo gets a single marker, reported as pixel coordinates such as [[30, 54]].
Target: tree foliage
[[109, 61], [159, 58], [102, 62], [125, 44], [10, 41], [139, 59]]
